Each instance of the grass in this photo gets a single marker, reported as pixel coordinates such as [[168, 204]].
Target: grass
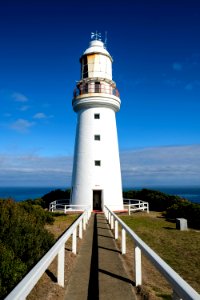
[[61, 223], [180, 249]]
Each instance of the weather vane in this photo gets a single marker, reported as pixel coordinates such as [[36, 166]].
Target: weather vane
[[96, 36]]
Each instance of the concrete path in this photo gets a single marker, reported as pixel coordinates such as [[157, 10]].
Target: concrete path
[[99, 272]]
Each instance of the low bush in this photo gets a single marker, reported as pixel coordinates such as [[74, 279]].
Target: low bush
[[187, 210], [23, 241], [158, 201], [55, 195]]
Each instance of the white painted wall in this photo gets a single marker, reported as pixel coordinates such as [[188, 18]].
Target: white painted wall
[[88, 177]]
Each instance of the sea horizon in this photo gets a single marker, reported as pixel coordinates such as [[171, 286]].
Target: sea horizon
[[21, 193]]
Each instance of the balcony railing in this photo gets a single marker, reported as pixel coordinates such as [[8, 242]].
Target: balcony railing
[[95, 88]]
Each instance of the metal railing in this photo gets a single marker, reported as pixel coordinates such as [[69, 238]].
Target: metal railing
[[181, 289], [96, 88], [135, 205], [21, 291]]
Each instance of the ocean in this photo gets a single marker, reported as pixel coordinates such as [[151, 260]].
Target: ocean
[[23, 193]]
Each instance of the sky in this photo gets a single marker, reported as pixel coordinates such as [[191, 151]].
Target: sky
[[155, 46]]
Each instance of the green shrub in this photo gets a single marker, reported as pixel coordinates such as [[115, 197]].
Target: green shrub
[[55, 195], [187, 210], [12, 269], [23, 240], [158, 201]]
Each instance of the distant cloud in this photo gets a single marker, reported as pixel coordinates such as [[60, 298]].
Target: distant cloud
[[24, 108], [170, 165], [19, 97], [33, 170], [7, 115], [41, 115], [190, 86], [21, 125], [177, 66]]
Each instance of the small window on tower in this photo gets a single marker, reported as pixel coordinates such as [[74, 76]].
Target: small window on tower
[[97, 137], [97, 163], [97, 116], [84, 67]]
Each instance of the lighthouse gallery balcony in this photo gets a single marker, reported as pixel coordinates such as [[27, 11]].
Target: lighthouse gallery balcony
[[95, 87]]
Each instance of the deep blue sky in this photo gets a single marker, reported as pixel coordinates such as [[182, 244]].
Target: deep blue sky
[[156, 50]]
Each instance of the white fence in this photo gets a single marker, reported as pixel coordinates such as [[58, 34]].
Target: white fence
[[60, 205], [136, 205], [130, 204], [21, 291], [181, 289]]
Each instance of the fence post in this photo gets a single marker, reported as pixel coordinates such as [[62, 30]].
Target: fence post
[[74, 242], [112, 222], [84, 225], [129, 209], [80, 230], [116, 229], [123, 241], [109, 217], [138, 266], [65, 210], [86, 217], [61, 266]]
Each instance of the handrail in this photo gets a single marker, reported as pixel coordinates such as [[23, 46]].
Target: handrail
[[24, 287], [180, 287]]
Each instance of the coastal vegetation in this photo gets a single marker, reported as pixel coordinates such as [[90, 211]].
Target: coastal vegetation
[[23, 240], [171, 206], [46, 199]]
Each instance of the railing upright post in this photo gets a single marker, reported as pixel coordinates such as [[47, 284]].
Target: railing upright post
[[84, 225], [80, 232], [61, 266], [74, 241], [86, 217], [123, 241], [112, 222], [109, 218], [116, 229], [129, 209], [106, 213], [138, 266]]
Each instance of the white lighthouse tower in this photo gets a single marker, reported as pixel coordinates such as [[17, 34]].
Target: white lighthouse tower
[[96, 178]]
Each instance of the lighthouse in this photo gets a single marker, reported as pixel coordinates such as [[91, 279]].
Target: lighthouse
[[96, 177]]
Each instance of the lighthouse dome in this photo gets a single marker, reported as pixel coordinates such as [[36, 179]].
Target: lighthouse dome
[[97, 46]]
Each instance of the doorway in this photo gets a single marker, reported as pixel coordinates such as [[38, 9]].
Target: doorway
[[97, 199]]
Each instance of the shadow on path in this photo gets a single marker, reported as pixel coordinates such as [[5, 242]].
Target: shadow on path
[[93, 287]]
